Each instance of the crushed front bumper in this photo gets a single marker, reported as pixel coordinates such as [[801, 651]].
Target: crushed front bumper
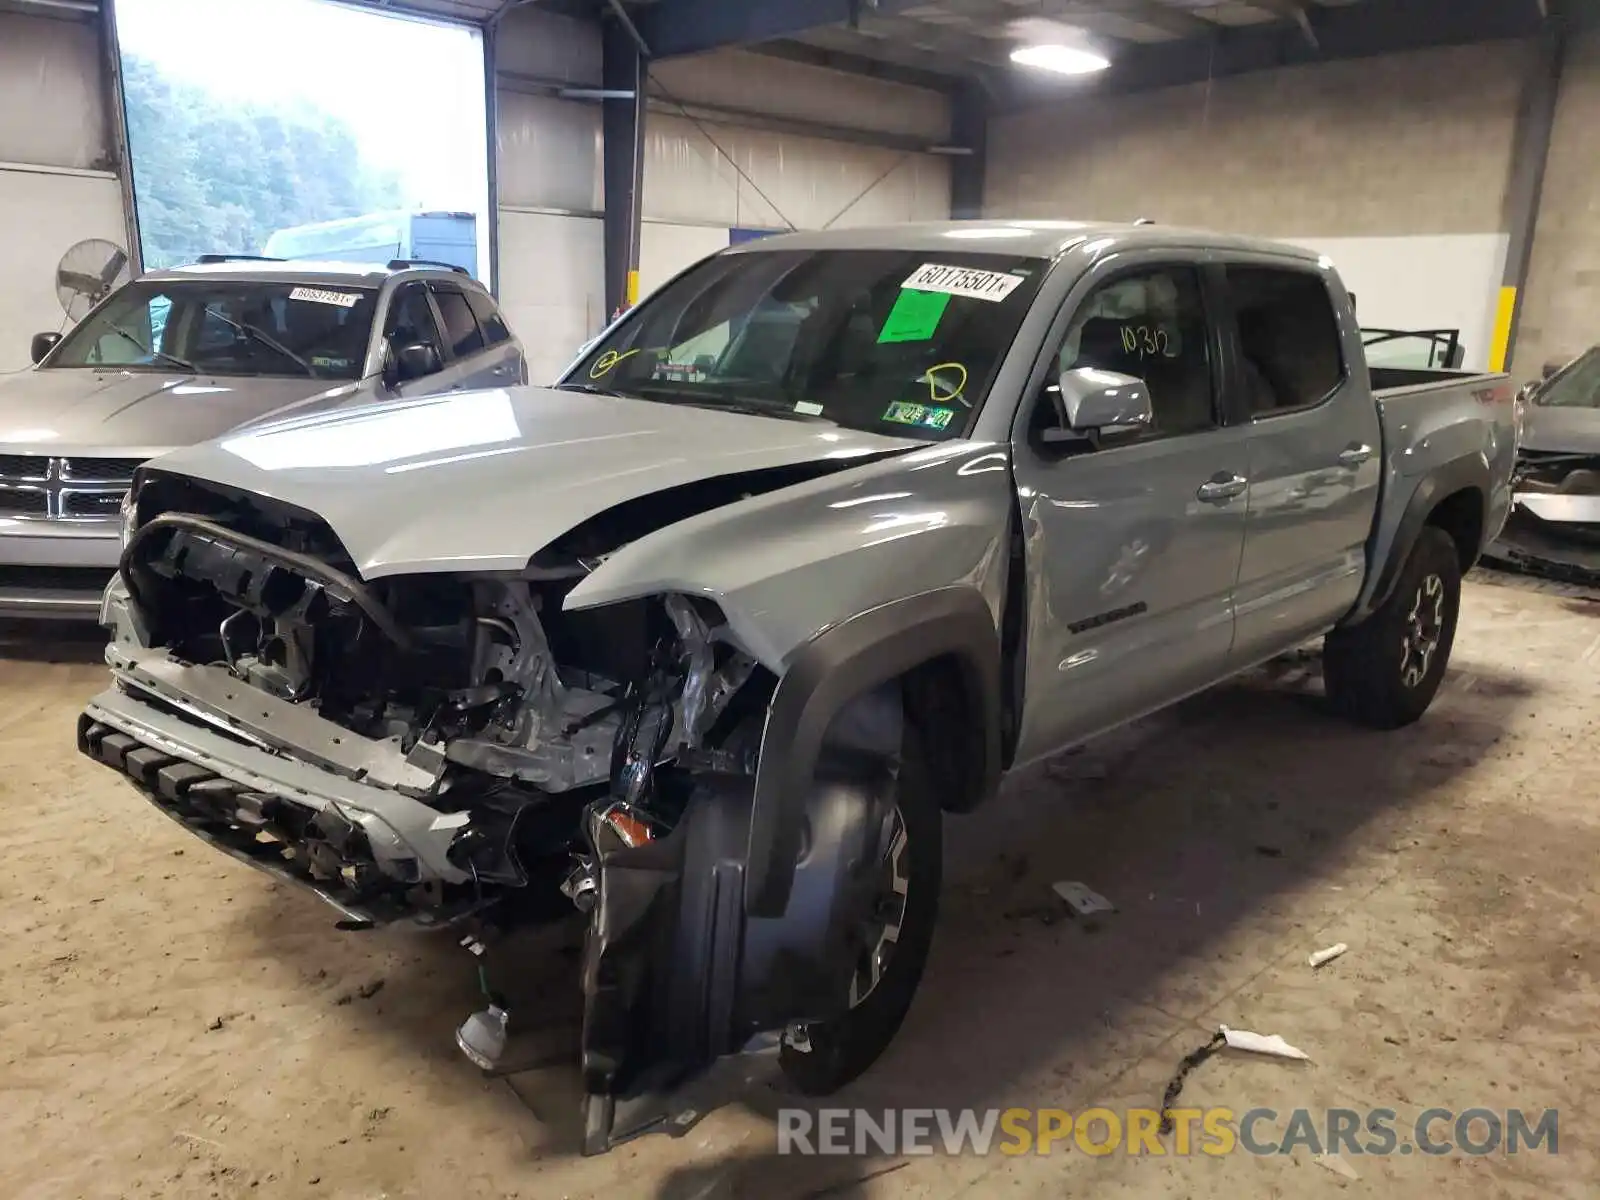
[[377, 856], [1564, 551]]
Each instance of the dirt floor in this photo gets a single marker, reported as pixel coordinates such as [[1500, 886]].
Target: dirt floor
[[174, 1024]]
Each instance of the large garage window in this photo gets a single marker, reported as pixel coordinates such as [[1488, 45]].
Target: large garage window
[[304, 129]]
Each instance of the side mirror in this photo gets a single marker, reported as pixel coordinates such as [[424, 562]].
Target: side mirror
[[415, 361], [1095, 403], [42, 344]]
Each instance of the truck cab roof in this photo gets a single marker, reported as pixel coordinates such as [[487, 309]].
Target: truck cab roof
[[1034, 239]]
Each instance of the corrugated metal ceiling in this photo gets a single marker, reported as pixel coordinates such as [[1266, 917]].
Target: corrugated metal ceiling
[[952, 34]]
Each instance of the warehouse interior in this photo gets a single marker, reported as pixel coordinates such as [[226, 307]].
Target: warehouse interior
[[175, 1024]]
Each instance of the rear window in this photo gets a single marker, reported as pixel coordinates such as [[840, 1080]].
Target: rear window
[[490, 321], [1289, 337], [461, 330]]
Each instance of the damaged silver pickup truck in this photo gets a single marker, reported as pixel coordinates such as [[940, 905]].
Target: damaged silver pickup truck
[[806, 551]]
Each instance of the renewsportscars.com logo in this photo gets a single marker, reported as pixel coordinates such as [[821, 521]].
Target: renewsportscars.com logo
[[1136, 1131]]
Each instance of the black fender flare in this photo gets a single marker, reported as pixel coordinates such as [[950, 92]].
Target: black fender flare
[[842, 662], [1446, 480]]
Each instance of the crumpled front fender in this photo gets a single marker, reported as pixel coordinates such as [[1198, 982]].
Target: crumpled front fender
[[676, 975]]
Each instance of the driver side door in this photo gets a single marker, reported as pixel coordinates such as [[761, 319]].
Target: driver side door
[[1133, 545]]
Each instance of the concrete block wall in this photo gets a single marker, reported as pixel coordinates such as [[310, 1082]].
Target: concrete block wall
[[1403, 145], [1561, 305]]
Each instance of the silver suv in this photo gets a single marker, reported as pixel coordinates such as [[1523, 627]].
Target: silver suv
[[181, 356]]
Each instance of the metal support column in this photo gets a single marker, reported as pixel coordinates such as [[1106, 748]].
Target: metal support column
[[117, 131], [1529, 156], [969, 129], [623, 71], [491, 115]]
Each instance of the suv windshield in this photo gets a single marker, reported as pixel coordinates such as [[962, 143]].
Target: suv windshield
[[901, 342], [226, 327], [1577, 385]]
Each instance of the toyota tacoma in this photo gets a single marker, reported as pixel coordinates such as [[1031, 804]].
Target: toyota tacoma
[[804, 553]]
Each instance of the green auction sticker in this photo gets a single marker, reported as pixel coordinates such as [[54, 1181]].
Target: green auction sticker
[[914, 317], [925, 416]]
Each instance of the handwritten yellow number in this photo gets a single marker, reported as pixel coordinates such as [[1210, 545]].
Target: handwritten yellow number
[[608, 362]]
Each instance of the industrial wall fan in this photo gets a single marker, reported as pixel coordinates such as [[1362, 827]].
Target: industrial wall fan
[[89, 272]]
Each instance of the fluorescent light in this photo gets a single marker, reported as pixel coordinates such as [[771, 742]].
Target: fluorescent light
[[1064, 60]]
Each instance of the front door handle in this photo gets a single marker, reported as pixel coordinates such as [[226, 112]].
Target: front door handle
[[1221, 488], [1354, 456]]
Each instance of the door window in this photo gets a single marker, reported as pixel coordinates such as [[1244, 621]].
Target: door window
[[1151, 324], [411, 321], [490, 321], [1288, 338], [461, 332]]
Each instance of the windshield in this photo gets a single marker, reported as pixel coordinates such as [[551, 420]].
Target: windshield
[[1577, 385], [226, 327], [890, 341]]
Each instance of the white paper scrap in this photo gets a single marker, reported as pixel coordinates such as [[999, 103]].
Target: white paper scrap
[[1081, 899], [1328, 955], [1257, 1043]]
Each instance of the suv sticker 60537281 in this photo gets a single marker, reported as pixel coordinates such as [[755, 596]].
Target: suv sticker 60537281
[[323, 296]]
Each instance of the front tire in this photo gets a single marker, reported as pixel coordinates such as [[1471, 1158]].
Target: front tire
[[833, 1053], [1385, 672]]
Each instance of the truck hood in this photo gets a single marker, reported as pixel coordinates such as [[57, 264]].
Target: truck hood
[[481, 481], [1562, 429], [71, 410]]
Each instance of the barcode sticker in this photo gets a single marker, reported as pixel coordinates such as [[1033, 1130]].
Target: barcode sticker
[[322, 296], [963, 281]]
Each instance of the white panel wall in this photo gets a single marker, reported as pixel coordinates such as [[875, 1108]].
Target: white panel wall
[[54, 190], [806, 181], [52, 110], [41, 214], [666, 249], [551, 286], [761, 83], [552, 254], [1441, 282], [549, 153]]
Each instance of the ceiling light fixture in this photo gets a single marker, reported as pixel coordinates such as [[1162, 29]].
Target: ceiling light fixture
[[1063, 60]]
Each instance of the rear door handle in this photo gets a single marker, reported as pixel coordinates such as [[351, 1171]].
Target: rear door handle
[[1221, 488], [1354, 456]]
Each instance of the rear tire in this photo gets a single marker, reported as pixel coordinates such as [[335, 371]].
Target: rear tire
[[844, 1047], [1385, 672]]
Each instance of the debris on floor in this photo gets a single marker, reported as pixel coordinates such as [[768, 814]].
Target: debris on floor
[[1257, 1043], [1081, 899], [1175, 1085], [1233, 1039], [1328, 955], [1337, 1164]]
